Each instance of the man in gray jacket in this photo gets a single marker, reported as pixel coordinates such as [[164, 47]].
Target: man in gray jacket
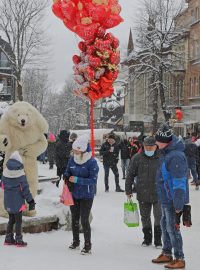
[[143, 166]]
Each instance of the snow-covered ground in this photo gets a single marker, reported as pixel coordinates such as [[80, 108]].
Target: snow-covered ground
[[115, 246]]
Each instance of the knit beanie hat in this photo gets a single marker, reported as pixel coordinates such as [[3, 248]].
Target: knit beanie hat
[[16, 156], [81, 143], [164, 134], [149, 141]]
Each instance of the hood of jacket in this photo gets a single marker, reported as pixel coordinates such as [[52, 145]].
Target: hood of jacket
[[13, 169]]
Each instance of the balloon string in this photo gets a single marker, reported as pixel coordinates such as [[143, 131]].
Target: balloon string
[[92, 126]]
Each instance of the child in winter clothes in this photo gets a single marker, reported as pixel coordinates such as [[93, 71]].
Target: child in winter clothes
[[16, 191], [81, 178]]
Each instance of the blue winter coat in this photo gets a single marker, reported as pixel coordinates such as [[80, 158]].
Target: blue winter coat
[[15, 186], [86, 174], [172, 182]]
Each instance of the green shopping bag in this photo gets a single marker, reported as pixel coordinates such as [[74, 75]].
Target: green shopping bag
[[131, 214]]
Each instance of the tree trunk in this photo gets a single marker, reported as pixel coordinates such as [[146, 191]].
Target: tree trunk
[[162, 97], [155, 110]]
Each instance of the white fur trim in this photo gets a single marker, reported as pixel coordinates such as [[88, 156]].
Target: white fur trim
[[16, 156], [13, 174], [81, 159]]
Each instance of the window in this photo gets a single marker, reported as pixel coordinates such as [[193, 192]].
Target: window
[[195, 83], [197, 13], [199, 86], [191, 88]]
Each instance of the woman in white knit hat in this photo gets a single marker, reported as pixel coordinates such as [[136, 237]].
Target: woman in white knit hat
[[81, 177]]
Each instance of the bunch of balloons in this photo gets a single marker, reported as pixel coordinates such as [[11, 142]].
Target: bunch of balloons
[[97, 67]]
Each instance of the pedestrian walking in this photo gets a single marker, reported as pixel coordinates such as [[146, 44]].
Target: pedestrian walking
[[110, 152], [124, 147], [173, 193], [144, 166]]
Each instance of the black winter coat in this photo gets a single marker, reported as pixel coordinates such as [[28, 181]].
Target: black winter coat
[[62, 153], [124, 147], [51, 151], [144, 168], [109, 158], [191, 150]]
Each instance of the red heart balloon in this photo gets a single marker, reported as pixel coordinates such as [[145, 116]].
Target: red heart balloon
[[105, 83], [70, 24], [115, 58], [112, 21], [101, 32], [107, 92], [94, 95], [76, 59], [90, 73], [68, 9], [95, 85], [115, 43], [56, 8], [87, 32], [102, 45], [94, 61], [82, 46], [91, 50]]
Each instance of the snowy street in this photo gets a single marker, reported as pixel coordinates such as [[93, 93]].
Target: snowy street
[[115, 246]]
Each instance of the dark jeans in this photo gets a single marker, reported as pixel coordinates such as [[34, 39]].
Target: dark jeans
[[125, 164], [17, 220], [192, 166], [115, 171], [145, 212], [81, 209], [171, 236]]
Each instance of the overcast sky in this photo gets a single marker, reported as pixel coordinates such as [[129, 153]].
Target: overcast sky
[[64, 42]]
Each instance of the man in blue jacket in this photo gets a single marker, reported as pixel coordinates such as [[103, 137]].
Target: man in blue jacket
[[172, 188]]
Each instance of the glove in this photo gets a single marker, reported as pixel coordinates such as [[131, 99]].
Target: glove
[[31, 205], [178, 219], [57, 183], [187, 221]]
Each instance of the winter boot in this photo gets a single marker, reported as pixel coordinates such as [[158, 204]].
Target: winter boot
[[87, 249], [162, 258], [147, 237], [9, 240], [75, 245], [176, 264], [157, 237], [19, 241], [118, 189]]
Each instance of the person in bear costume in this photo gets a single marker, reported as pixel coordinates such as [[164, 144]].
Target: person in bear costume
[[22, 129]]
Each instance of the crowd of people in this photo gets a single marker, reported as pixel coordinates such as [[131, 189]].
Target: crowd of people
[[156, 168]]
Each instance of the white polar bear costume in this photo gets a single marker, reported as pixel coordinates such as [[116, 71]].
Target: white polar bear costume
[[22, 128]]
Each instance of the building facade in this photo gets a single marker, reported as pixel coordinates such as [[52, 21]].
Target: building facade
[[7, 78], [188, 72], [182, 84]]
